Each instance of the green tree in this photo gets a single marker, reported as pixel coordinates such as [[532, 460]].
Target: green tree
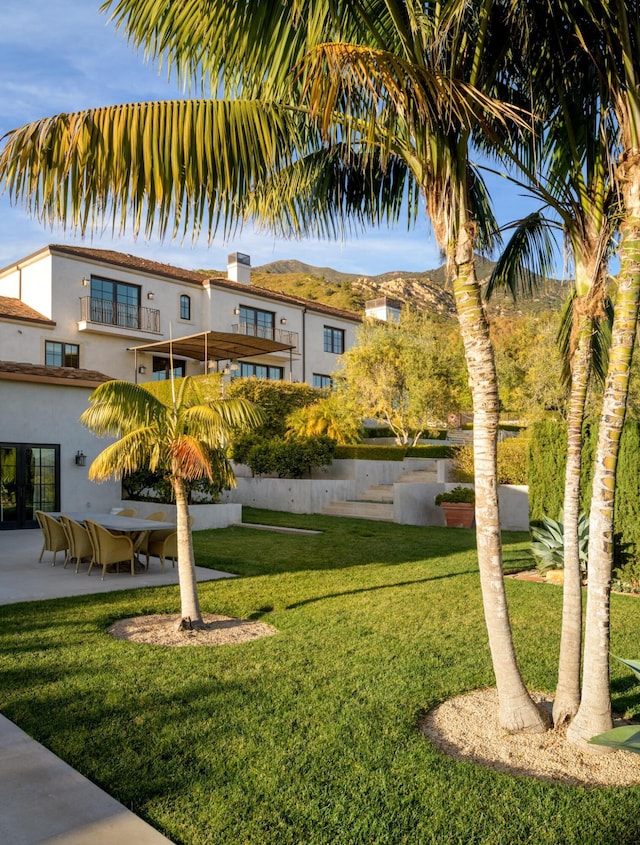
[[333, 415], [408, 376], [185, 440]]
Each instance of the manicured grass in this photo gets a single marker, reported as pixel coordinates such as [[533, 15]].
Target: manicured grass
[[309, 736]]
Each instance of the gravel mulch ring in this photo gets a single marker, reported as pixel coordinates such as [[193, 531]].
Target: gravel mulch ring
[[467, 728], [159, 629]]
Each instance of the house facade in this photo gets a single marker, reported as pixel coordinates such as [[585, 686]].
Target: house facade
[[72, 317]]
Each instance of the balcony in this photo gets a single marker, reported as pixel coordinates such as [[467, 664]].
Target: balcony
[[279, 335], [104, 312]]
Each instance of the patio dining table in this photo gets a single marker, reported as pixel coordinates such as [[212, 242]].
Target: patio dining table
[[113, 522], [136, 526]]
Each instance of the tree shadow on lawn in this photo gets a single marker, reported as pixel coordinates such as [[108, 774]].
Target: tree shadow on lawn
[[392, 586], [343, 543]]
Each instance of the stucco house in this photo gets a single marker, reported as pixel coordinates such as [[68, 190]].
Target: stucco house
[[72, 317]]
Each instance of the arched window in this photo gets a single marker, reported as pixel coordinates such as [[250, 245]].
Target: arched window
[[185, 307]]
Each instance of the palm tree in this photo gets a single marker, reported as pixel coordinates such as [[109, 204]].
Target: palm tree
[[393, 80], [610, 34], [576, 185], [185, 440], [409, 86]]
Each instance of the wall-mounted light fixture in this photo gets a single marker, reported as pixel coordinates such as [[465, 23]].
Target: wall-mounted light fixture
[[81, 459], [283, 321], [86, 282], [151, 295], [142, 369], [236, 310]]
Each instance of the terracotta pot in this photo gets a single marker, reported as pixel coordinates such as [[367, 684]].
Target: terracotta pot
[[458, 514]]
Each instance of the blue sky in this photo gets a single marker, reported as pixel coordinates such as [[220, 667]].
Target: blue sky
[[64, 55]]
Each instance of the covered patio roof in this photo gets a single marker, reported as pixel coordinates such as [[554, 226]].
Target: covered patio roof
[[215, 346]]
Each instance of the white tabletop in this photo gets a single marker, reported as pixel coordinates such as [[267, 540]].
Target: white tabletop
[[113, 522]]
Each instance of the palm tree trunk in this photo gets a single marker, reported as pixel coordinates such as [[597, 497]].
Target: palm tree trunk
[[517, 712], [567, 698], [594, 714], [190, 613]]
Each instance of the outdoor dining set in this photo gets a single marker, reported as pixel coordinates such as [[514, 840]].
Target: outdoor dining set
[[108, 539]]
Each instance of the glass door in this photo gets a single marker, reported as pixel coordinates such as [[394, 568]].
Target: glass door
[[29, 481], [8, 487]]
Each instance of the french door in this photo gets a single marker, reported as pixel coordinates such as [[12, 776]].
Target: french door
[[29, 482]]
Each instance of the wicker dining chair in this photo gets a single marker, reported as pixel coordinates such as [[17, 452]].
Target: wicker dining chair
[[127, 512], [164, 544], [54, 538], [79, 541], [163, 547], [109, 548]]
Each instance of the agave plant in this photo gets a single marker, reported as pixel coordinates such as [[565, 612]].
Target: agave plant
[[626, 738], [548, 543]]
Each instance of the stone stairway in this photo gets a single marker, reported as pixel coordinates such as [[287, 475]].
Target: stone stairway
[[376, 502]]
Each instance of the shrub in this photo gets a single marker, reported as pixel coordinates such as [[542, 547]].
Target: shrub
[[147, 486], [292, 458], [457, 495], [277, 399], [512, 456]]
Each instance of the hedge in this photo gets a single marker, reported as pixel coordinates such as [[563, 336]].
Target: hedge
[[547, 462], [365, 452], [385, 431]]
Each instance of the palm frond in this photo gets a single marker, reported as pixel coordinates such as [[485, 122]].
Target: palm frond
[[127, 455], [163, 167], [526, 260], [118, 407]]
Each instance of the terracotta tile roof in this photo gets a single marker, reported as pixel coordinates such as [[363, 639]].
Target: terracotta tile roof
[[198, 277], [15, 371], [14, 309]]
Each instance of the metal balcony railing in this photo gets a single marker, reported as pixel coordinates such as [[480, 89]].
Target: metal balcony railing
[[280, 335], [109, 313]]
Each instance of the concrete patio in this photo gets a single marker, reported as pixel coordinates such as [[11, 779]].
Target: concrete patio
[[43, 801], [22, 578]]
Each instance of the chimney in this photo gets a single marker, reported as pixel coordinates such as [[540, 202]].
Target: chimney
[[239, 268]]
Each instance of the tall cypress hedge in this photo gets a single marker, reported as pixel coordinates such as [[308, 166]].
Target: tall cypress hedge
[[547, 462]]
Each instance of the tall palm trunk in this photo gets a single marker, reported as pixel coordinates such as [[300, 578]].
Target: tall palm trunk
[[516, 710], [594, 714], [567, 697], [190, 613]]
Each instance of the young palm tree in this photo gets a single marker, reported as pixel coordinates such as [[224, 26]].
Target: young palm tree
[[185, 440]]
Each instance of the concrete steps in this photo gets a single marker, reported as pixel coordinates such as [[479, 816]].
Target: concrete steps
[[422, 476], [376, 502]]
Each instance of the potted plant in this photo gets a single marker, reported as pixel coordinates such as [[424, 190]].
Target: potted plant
[[458, 506]]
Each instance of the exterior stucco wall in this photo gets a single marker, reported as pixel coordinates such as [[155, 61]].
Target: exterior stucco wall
[[48, 414]]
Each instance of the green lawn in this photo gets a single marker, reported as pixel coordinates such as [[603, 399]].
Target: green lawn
[[309, 737]]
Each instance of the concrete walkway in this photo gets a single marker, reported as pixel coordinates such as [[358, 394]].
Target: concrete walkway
[[43, 801]]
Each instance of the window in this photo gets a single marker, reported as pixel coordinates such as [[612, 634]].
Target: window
[[185, 307], [162, 371], [261, 371], [115, 303], [333, 340], [256, 323], [61, 354], [320, 380]]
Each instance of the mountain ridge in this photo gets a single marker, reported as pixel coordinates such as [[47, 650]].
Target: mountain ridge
[[425, 290]]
